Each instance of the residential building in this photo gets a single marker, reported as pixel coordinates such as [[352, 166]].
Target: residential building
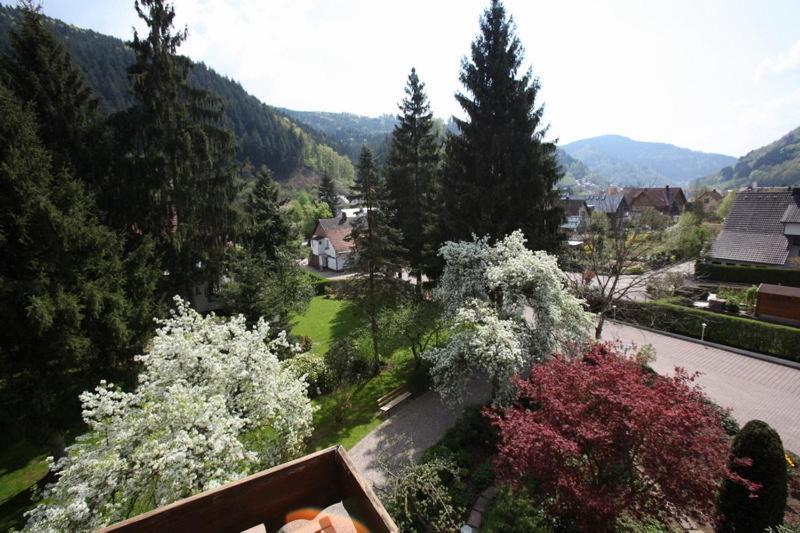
[[667, 200], [615, 206], [329, 247], [576, 214], [762, 228], [708, 200], [320, 492]]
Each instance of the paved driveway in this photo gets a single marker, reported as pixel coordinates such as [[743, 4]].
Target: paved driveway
[[750, 387]]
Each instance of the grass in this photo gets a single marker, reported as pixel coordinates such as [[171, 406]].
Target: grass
[[325, 320], [22, 465], [346, 416]]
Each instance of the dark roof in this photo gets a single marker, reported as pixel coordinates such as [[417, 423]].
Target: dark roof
[[571, 206], [660, 197], [792, 214], [753, 231], [336, 229], [713, 193], [604, 203], [779, 290]]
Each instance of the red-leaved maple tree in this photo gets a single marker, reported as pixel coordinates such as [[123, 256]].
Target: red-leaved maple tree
[[602, 436]]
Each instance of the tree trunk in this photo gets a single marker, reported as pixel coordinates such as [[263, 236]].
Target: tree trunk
[[598, 330]]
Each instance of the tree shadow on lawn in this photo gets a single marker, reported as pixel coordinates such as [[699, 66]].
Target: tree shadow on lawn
[[346, 320]]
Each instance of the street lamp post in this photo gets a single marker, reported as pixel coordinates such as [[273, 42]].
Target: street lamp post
[[614, 309], [703, 332]]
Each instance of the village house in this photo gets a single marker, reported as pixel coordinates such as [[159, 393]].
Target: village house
[[667, 200], [576, 214], [329, 247], [614, 205], [708, 199], [762, 228]]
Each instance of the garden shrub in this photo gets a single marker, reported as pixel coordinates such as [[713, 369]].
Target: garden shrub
[[346, 363], [739, 512], [740, 332], [747, 274], [304, 342], [729, 424], [516, 509], [419, 500], [313, 367]]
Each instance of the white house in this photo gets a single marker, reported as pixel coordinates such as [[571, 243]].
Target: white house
[[329, 248]]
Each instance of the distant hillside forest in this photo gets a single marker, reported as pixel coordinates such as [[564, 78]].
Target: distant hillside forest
[[626, 161], [774, 165], [266, 136]]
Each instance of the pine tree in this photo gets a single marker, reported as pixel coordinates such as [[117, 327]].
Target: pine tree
[[267, 228], [179, 182], [500, 172], [411, 178], [739, 511], [377, 253], [62, 304], [327, 192], [41, 72]]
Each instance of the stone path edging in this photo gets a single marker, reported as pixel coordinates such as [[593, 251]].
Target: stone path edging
[[475, 519]]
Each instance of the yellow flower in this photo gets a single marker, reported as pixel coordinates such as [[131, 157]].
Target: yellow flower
[[789, 461]]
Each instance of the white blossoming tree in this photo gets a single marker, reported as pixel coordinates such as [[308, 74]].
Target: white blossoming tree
[[508, 306], [213, 404]]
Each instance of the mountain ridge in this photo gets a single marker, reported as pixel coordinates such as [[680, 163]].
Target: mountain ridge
[[626, 161]]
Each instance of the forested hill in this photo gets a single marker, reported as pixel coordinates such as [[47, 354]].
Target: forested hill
[[266, 136], [774, 165], [625, 161], [347, 132]]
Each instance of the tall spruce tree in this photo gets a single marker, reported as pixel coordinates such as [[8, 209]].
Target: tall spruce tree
[[179, 181], [327, 192], [377, 253], [411, 178], [500, 172], [267, 229], [62, 304], [41, 72]]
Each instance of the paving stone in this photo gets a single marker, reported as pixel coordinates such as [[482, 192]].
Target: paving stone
[[751, 388], [475, 518], [481, 504], [490, 493]]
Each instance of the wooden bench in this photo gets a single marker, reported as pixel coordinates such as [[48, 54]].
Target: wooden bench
[[389, 401]]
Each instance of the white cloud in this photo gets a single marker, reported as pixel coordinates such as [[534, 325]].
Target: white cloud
[[783, 63]]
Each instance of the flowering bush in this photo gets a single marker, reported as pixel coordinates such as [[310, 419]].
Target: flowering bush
[[212, 404], [506, 304], [602, 436]]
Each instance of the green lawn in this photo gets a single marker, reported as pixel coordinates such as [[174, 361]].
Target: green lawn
[[22, 465], [325, 320], [337, 421]]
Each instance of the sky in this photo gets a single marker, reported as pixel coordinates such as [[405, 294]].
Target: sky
[[713, 75]]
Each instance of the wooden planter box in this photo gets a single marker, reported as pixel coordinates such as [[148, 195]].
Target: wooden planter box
[[314, 481]]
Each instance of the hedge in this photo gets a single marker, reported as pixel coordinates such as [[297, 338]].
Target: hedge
[[745, 333], [752, 275]]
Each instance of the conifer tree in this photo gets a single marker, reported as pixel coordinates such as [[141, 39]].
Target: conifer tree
[[377, 253], [179, 182], [267, 228], [500, 172], [62, 305], [327, 192], [41, 72], [411, 178]]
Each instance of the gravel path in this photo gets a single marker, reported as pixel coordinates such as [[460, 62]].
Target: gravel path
[[751, 388], [410, 429]]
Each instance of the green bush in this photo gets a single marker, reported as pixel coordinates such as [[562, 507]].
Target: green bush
[[739, 511], [318, 283], [517, 510], [729, 424], [346, 363], [644, 525], [745, 333], [747, 274], [315, 370]]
